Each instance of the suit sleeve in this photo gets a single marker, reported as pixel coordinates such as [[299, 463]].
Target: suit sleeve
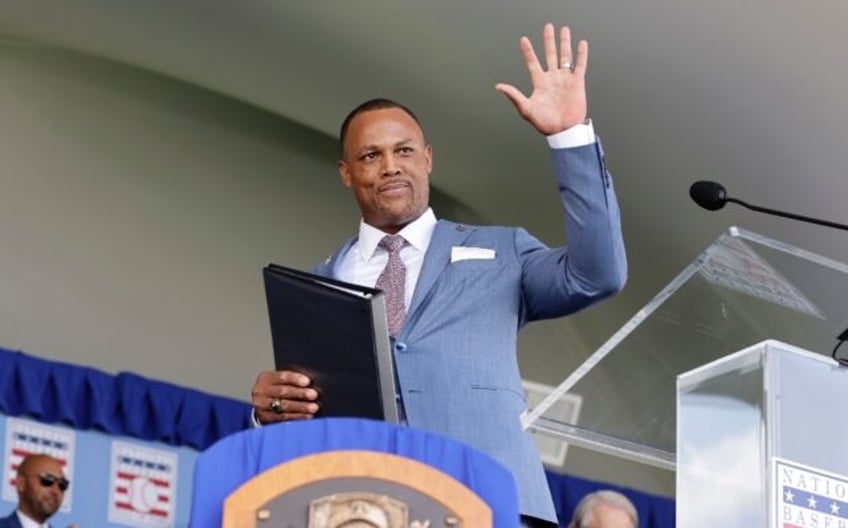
[[592, 264]]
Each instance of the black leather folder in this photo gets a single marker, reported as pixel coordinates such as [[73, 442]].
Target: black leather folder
[[335, 333]]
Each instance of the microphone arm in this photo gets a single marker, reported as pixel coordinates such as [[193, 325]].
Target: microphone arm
[[843, 362], [712, 196], [788, 215]]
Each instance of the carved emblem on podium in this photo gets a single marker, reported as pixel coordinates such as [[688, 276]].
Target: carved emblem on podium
[[360, 510]]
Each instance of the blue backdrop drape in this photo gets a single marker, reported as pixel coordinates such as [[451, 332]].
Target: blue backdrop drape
[[130, 405]]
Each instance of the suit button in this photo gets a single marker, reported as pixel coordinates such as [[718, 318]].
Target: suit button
[[400, 347]]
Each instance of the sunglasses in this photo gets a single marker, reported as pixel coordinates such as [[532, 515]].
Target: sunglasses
[[47, 480]]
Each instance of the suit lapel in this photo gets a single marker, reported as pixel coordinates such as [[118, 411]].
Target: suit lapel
[[328, 267], [446, 235], [14, 522]]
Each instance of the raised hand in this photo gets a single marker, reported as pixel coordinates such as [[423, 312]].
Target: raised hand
[[558, 101]]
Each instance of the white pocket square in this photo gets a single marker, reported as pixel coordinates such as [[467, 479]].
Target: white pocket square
[[467, 253]]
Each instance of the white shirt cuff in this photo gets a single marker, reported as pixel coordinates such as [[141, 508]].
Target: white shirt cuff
[[254, 419], [576, 136]]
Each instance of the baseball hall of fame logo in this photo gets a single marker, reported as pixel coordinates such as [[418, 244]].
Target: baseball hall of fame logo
[[806, 497], [143, 485]]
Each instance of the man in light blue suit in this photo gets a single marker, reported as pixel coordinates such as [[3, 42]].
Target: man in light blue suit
[[468, 290]]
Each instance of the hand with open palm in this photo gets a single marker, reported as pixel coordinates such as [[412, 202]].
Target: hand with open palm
[[558, 100]]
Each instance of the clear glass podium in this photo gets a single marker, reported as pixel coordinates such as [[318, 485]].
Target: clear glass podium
[[761, 441], [743, 289]]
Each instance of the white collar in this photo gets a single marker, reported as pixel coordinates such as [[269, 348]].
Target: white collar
[[417, 233], [26, 522]]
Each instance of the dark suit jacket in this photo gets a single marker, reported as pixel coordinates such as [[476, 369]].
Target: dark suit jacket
[[456, 358], [11, 521]]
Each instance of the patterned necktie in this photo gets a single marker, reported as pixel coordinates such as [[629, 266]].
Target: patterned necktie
[[392, 281]]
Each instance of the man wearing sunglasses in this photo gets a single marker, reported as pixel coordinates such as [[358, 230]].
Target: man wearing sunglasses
[[41, 486]]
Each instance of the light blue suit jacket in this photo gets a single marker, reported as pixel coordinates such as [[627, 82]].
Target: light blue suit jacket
[[456, 358]]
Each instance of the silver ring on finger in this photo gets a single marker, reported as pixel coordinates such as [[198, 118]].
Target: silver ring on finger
[[567, 66]]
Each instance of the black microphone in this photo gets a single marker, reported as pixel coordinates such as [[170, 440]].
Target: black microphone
[[709, 195], [713, 196]]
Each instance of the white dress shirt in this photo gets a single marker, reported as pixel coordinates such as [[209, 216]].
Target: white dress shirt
[[26, 522], [365, 260]]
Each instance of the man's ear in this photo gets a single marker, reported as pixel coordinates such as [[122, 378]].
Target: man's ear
[[344, 172], [19, 483]]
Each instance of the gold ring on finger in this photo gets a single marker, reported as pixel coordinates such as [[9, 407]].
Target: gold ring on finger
[[276, 406]]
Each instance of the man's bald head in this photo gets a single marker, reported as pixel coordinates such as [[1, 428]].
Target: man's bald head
[[34, 463]]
